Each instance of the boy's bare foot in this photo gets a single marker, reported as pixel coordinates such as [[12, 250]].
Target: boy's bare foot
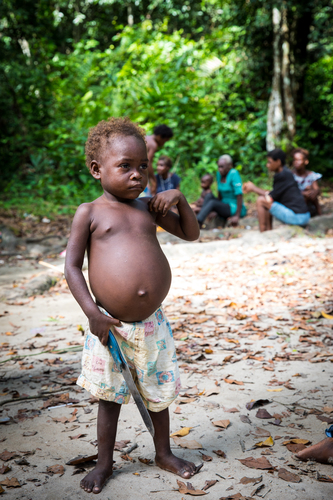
[[95, 480], [321, 452], [177, 465]]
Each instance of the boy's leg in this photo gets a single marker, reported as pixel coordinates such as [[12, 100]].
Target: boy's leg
[[164, 458], [107, 420]]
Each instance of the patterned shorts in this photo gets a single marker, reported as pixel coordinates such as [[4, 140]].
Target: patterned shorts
[[149, 350]]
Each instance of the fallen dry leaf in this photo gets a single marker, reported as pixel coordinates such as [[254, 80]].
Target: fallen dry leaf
[[82, 459], [178, 410], [297, 441], [220, 453], [192, 391], [187, 489], [295, 448], [78, 436], [231, 410], [232, 381], [211, 392], [256, 463], [323, 478], [248, 480], [63, 420], [5, 468], [184, 401], [325, 315], [327, 409], [120, 445], [10, 483], [237, 496], [288, 476], [245, 419], [189, 444], [206, 458], [256, 403], [127, 457], [209, 484], [268, 442], [261, 432], [182, 432], [263, 413], [61, 399], [146, 461], [56, 469], [8, 455], [221, 423]]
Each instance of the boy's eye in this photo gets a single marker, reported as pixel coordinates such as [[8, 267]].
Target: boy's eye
[[124, 165], [144, 166]]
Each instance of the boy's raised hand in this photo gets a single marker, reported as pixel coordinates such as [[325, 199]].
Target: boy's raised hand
[[100, 324], [162, 202]]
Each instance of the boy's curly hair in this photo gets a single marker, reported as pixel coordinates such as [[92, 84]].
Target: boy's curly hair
[[99, 136]]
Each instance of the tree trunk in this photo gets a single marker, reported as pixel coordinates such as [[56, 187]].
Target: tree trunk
[[281, 115], [275, 116], [289, 104]]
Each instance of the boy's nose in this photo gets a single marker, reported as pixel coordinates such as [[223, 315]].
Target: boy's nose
[[136, 174]]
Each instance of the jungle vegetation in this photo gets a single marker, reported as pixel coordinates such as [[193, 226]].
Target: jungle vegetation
[[233, 77]]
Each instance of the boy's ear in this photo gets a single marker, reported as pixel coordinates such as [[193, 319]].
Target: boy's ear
[[95, 169]]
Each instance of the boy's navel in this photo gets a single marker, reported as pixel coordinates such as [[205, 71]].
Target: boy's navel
[[141, 293]]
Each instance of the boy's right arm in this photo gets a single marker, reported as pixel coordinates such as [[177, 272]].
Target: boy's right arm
[[80, 233]]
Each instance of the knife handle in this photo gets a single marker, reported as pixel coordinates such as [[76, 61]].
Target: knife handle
[[115, 351]]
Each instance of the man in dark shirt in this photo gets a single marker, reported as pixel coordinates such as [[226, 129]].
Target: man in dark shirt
[[285, 201]]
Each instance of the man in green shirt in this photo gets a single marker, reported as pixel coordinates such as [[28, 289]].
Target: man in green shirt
[[229, 204]]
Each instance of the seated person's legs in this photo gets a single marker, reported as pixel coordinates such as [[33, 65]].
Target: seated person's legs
[[264, 217], [222, 209], [287, 216]]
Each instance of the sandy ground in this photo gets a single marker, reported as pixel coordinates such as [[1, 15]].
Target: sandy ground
[[246, 310]]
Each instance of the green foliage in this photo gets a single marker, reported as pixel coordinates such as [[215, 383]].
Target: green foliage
[[201, 67]]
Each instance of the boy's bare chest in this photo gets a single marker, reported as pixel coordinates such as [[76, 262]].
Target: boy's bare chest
[[129, 222]]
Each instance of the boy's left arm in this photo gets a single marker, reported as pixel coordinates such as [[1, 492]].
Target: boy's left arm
[[184, 225]]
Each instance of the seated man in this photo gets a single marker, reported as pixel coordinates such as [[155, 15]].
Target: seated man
[[285, 201], [230, 202], [306, 180]]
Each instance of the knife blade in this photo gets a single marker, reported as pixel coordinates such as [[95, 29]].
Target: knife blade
[[123, 368]]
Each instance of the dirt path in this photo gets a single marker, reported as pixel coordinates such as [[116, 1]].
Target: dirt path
[[248, 323]]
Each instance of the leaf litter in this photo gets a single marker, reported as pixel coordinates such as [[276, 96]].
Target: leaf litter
[[239, 326]]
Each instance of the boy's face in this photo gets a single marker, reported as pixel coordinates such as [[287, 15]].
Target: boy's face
[[162, 168], [123, 168], [161, 140], [206, 182], [273, 165], [300, 161]]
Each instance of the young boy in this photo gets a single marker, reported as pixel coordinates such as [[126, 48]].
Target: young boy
[[285, 201], [165, 179], [206, 182], [129, 276], [161, 135]]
